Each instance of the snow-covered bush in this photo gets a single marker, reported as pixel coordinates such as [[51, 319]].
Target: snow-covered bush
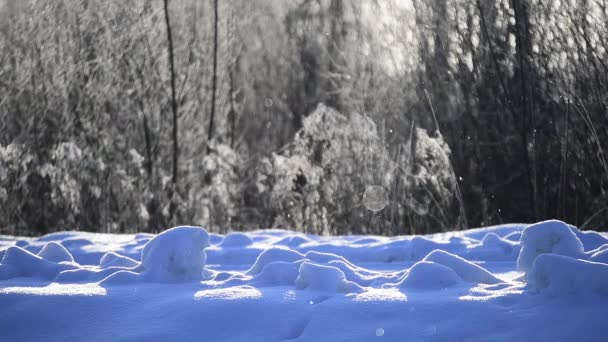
[[213, 199], [429, 179], [336, 175], [316, 182], [66, 186]]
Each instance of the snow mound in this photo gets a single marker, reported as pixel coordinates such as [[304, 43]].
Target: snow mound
[[55, 252], [274, 254], [120, 278], [279, 273], [559, 275], [513, 236], [323, 258], [419, 247], [317, 277], [236, 240], [493, 240], [465, 269], [359, 275], [292, 241], [76, 242], [493, 247], [591, 240], [58, 236], [85, 275], [112, 259], [18, 262], [429, 275], [599, 255], [394, 250], [175, 255], [21, 243], [547, 237], [215, 239]]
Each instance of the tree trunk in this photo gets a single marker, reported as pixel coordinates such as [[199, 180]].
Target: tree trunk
[[174, 112], [211, 130], [523, 50]]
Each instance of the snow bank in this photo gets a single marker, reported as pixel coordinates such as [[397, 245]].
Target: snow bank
[[175, 255], [317, 277], [55, 252], [559, 275], [465, 269], [426, 275], [547, 237]]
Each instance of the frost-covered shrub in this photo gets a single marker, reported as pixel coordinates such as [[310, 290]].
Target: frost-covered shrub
[[430, 171], [213, 199], [69, 187], [429, 180], [319, 181], [20, 184], [72, 173], [316, 182]]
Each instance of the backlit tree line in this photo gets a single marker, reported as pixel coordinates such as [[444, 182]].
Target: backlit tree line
[[125, 116]]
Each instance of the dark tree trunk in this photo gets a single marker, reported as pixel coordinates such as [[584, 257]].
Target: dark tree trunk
[[174, 134], [211, 130]]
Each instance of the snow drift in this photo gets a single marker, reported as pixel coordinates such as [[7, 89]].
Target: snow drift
[[272, 285]]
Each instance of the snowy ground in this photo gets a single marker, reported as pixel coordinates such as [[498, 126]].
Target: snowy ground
[[545, 282]]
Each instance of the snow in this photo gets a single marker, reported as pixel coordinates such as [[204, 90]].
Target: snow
[[600, 254], [274, 254], [18, 262], [558, 274], [55, 252], [175, 255], [548, 237], [324, 278], [483, 284], [465, 269], [236, 240], [279, 273], [112, 259], [426, 275]]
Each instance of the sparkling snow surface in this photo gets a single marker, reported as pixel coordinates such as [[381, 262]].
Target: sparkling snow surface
[[543, 282]]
